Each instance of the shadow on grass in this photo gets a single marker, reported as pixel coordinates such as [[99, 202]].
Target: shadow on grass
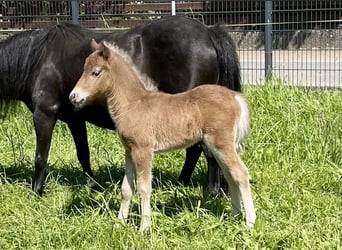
[[178, 198], [63, 175], [16, 173], [105, 176], [109, 179], [186, 199], [108, 199]]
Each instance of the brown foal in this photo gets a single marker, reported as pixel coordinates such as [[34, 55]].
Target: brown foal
[[149, 121]]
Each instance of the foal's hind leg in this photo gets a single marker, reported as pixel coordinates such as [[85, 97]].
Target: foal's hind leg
[[236, 174]]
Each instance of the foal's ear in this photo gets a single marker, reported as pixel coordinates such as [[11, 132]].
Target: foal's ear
[[94, 45], [104, 51]]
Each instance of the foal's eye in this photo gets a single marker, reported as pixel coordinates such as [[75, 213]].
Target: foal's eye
[[96, 73]]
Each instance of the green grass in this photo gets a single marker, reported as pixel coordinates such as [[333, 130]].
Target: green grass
[[293, 154]]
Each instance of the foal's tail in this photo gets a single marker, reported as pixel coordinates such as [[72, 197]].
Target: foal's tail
[[227, 57], [243, 123]]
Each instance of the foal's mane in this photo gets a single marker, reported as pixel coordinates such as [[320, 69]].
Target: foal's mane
[[146, 81]]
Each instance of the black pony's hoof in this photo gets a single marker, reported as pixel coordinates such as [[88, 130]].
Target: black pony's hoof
[[214, 190], [182, 183], [38, 189], [218, 189], [94, 188], [93, 185]]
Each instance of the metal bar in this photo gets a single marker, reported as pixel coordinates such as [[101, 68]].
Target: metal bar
[[75, 10], [268, 39], [173, 8]]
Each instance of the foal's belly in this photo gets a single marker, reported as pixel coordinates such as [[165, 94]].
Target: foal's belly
[[171, 142]]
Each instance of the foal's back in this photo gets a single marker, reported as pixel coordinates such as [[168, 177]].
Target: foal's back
[[203, 94], [207, 100], [179, 120], [217, 104]]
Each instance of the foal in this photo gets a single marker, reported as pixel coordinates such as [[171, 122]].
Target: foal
[[149, 121]]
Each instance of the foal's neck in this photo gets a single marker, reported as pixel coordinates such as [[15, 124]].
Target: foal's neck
[[127, 88]]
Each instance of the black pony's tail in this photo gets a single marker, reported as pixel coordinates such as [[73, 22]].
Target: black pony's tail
[[228, 59]]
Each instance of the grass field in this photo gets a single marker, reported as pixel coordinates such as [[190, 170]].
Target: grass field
[[293, 154]]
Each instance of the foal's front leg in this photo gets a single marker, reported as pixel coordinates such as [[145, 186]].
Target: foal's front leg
[[127, 188], [142, 158]]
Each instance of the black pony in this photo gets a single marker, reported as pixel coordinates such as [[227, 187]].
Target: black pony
[[41, 67]]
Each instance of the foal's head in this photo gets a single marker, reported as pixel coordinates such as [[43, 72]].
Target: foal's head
[[96, 78]]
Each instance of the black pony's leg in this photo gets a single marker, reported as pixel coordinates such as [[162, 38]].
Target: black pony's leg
[[79, 133], [44, 124], [214, 172], [192, 155]]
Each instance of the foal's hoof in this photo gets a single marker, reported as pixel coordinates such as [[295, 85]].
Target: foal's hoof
[[249, 225], [119, 225], [145, 226], [145, 229]]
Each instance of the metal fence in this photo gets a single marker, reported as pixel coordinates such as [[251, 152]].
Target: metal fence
[[299, 41]]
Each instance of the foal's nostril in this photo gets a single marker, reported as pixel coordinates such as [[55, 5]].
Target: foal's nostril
[[76, 99], [72, 97]]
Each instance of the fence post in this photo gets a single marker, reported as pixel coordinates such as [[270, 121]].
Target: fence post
[[75, 12], [268, 38], [173, 8]]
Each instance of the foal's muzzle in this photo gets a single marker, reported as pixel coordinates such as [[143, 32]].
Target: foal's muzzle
[[76, 100]]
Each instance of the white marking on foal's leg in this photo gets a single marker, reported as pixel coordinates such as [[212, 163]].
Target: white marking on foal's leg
[[127, 189], [235, 197], [143, 162], [145, 190], [239, 173], [249, 206]]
